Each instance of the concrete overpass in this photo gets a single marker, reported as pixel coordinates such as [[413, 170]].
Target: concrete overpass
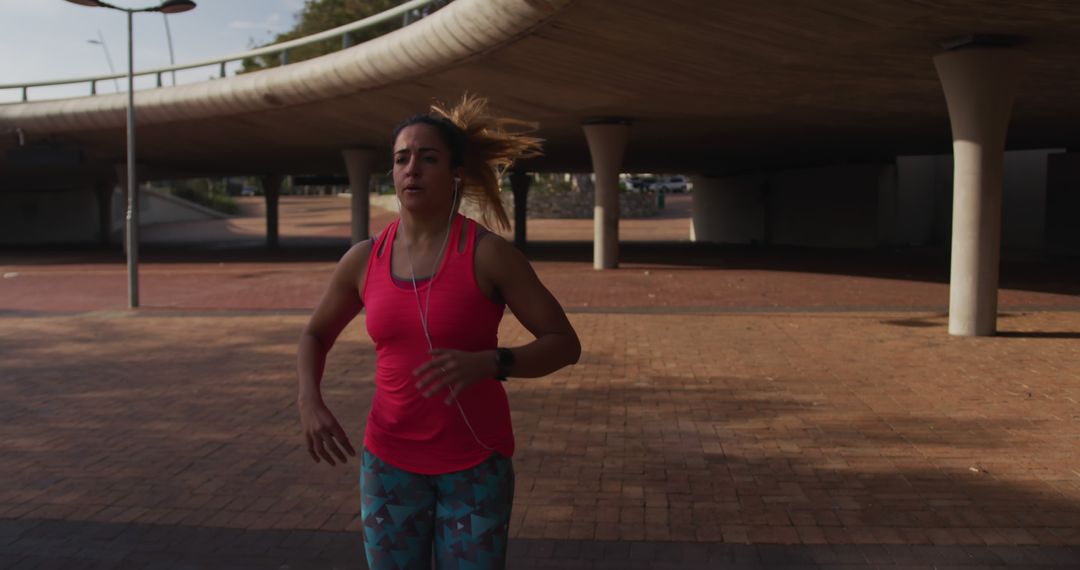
[[780, 108]]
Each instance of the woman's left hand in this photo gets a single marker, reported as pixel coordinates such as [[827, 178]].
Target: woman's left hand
[[454, 369]]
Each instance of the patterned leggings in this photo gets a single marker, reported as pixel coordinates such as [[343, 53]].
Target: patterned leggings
[[466, 514]]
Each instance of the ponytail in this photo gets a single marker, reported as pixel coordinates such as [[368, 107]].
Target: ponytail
[[491, 145]]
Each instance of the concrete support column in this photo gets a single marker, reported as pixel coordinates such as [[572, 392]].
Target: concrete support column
[[519, 183], [358, 163], [103, 191], [727, 210], [979, 84], [607, 141], [271, 184]]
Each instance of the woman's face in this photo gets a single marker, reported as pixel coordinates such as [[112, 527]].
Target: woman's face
[[423, 177]]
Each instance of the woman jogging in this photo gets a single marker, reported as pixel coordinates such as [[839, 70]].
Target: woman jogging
[[436, 475]]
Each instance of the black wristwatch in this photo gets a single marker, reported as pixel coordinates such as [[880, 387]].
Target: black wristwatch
[[504, 361]]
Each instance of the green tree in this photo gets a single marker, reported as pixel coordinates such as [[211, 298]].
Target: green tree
[[320, 15]]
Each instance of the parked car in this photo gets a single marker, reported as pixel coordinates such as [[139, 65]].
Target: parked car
[[669, 184], [636, 183], [632, 183]]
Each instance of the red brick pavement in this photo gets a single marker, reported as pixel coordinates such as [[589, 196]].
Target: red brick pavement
[[850, 430], [845, 428]]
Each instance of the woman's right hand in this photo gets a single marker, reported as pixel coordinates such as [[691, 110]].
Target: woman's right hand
[[340, 303], [324, 435]]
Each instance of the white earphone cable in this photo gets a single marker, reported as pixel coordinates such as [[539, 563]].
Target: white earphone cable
[[423, 308]]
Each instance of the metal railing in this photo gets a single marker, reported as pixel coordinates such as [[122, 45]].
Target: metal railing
[[282, 50]]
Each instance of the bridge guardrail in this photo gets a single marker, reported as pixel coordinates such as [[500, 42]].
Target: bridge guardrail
[[282, 49]]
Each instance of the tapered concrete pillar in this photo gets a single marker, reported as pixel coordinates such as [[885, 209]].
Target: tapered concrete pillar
[[607, 141], [727, 210], [358, 163], [519, 183], [979, 84], [271, 184]]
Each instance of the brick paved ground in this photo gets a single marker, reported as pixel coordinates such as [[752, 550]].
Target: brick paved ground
[[842, 428]]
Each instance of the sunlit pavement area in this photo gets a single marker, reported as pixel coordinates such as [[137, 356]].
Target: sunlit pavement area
[[734, 407]]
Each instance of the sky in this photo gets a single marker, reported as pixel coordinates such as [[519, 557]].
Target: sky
[[49, 39]]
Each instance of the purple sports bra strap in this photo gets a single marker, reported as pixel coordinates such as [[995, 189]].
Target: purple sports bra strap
[[379, 246], [455, 247]]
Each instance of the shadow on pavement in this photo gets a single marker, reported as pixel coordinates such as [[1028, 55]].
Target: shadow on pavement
[[194, 418], [1039, 334], [36, 543], [905, 477], [1048, 274]]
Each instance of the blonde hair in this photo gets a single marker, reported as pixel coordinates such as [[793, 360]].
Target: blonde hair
[[491, 145]]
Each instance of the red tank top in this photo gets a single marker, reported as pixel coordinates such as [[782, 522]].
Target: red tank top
[[405, 429]]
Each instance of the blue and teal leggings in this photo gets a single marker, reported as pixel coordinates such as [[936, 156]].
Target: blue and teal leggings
[[465, 514]]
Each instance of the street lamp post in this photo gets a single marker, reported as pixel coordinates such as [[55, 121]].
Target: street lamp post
[[108, 59], [132, 233], [168, 36]]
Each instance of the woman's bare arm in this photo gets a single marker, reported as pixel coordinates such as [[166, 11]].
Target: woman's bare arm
[[339, 305], [556, 344], [502, 267]]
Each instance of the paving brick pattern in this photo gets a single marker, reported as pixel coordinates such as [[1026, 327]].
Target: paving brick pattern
[[704, 433], [787, 429]]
